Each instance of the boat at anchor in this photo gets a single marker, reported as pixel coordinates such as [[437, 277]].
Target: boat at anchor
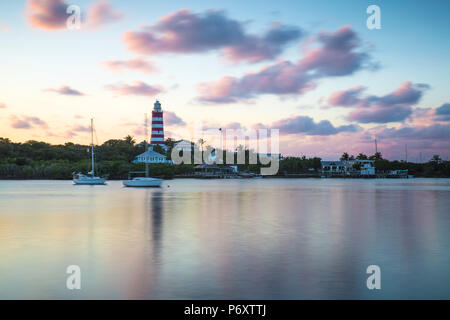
[[90, 178]]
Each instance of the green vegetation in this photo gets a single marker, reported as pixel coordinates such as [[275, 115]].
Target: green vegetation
[[435, 167], [40, 160]]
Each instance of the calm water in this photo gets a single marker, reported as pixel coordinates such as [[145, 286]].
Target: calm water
[[223, 239]]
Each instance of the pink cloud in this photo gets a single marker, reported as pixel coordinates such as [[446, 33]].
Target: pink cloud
[[392, 107], [80, 128], [336, 56], [306, 125], [395, 113], [422, 141], [47, 14], [187, 32], [51, 15], [137, 64], [2, 105], [431, 132], [346, 98], [171, 119], [27, 122], [101, 13], [66, 90], [136, 88]]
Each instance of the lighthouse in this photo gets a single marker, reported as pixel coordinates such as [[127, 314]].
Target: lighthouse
[[157, 125]]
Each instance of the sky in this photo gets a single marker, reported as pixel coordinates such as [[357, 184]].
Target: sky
[[312, 69]]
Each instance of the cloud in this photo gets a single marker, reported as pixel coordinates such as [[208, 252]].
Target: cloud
[[171, 119], [346, 98], [4, 27], [443, 112], [336, 56], [27, 122], [51, 15], [2, 105], [432, 132], [80, 128], [138, 64], [101, 13], [47, 14], [66, 90], [306, 125], [69, 134], [187, 32], [267, 47], [392, 107], [396, 113], [423, 142], [136, 88], [139, 131]]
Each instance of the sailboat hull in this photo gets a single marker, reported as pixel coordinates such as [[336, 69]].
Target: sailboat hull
[[143, 182], [90, 181]]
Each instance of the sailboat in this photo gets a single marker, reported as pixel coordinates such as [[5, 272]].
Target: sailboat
[[90, 178], [143, 181]]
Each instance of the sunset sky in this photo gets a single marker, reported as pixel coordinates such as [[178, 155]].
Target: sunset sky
[[311, 69]]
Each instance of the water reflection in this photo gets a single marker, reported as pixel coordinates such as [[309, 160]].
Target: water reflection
[[249, 239], [155, 204]]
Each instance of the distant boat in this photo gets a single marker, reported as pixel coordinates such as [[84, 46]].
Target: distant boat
[[143, 181], [90, 179]]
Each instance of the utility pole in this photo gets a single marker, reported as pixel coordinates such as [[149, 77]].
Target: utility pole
[[406, 152], [376, 148], [92, 146]]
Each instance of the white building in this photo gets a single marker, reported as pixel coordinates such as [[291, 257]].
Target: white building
[[183, 145], [348, 168], [334, 167], [367, 167], [150, 156]]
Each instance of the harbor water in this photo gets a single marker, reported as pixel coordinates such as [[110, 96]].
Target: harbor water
[[226, 239]]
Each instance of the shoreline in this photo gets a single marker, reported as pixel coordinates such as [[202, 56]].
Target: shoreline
[[265, 177]]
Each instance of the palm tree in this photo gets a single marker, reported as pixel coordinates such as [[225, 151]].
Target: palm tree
[[345, 157], [376, 156], [130, 140], [361, 156], [436, 158]]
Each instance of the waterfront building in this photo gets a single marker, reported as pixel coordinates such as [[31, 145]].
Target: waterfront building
[[365, 167], [334, 167], [213, 170], [348, 168], [151, 156], [183, 145]]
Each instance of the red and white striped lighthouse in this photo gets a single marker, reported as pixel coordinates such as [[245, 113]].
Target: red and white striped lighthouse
[[157, 125]]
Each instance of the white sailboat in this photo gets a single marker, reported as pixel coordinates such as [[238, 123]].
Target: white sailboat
[[90, 178], [143, 181]]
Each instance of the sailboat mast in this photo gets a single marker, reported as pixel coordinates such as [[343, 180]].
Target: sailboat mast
[[146, 145], [92, 145]]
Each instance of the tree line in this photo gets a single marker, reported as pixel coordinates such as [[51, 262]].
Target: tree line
[[435, 167], [41, 160]]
